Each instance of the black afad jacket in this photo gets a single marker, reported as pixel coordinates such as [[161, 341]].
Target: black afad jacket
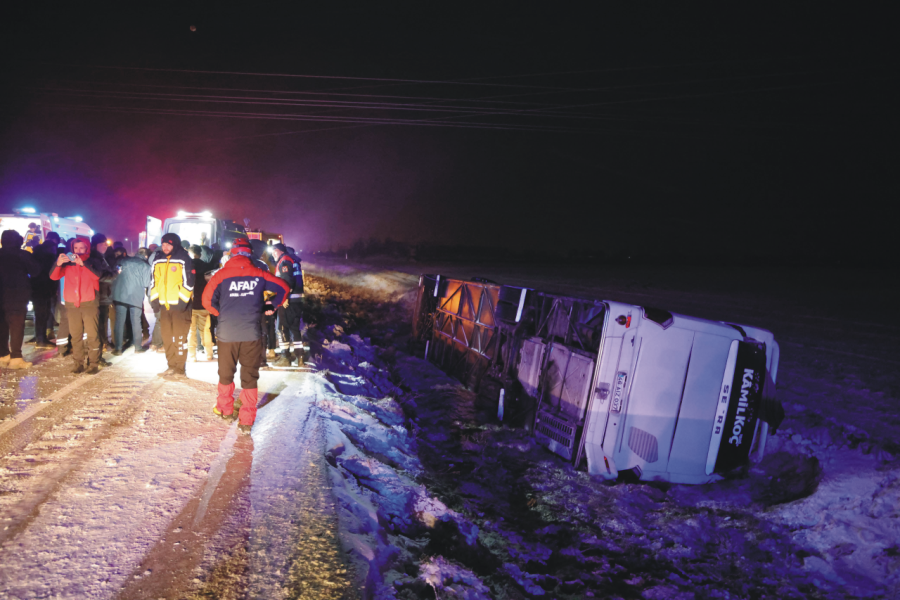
[[236, 294]]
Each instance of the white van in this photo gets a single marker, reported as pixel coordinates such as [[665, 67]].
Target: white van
[[34, 225]]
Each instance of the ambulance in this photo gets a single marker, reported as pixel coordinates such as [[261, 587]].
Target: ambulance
[[34, 226], [201, 228]]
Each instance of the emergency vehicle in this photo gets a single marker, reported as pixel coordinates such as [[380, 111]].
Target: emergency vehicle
[[197, 228], [635, 390], [267, 236], [34, 225]]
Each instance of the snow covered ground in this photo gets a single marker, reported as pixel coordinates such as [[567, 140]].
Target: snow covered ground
[[137, 490], [817, 518], [372, 474]]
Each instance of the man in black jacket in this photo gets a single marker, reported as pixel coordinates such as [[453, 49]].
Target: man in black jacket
[[98, 251], [43, 289], [200, 324], [16, 267]]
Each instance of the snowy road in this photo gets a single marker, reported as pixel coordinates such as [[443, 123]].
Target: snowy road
[[125, 485]]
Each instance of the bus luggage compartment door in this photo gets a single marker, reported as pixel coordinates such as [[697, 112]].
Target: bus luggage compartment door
[[566, 381]]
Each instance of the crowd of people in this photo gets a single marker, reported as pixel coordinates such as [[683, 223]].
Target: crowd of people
[[243, 305]]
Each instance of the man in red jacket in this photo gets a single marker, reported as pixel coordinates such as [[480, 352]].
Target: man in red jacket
[[236, 295], [80, 292]]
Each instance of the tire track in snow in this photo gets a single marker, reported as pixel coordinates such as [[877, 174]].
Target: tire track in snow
[[265, 517], [294, 550], [168, 569], [30, 477]]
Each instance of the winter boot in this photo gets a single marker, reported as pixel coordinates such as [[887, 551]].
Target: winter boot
[[93, 370], [18, 363], [167, 373], [230, 417], [284, 360], [5, 360], [300, 353], [78, 369], [270, 353], [248, 400], [225, 401], [245, 429]]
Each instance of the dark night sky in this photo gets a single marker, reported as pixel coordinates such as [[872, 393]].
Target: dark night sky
[[654, 127]]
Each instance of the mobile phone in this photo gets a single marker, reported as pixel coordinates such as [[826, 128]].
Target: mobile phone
[[72, 256]]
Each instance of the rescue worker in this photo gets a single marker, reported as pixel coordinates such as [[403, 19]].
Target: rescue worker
[[17, 266], [171, 291], [81, 294], [263, 260], [236, 294], [290, 317]]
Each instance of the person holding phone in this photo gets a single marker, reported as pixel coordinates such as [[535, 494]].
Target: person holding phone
[[81, 288]]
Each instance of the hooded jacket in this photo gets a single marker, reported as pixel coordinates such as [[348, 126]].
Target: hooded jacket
[[201, 268], [106, 278], [17, 266], [236, 294], [41, 285], [171, 278], [82, 284]]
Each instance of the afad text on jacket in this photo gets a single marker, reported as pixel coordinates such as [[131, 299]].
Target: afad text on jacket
[[236, 293]]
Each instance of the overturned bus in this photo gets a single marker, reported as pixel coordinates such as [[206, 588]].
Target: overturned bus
[[634, 390]]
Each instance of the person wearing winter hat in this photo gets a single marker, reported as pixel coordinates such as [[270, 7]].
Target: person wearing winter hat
[[16, 267], [99, 249], [290, 317], [238, 294], [81, 295], [171, 293]]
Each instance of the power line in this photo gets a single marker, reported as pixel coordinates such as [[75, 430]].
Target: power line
[[212, 99], [317, 118], [304, 76]]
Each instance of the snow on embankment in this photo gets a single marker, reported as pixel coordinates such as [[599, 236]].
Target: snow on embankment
[[817, 518], [383, 510]]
